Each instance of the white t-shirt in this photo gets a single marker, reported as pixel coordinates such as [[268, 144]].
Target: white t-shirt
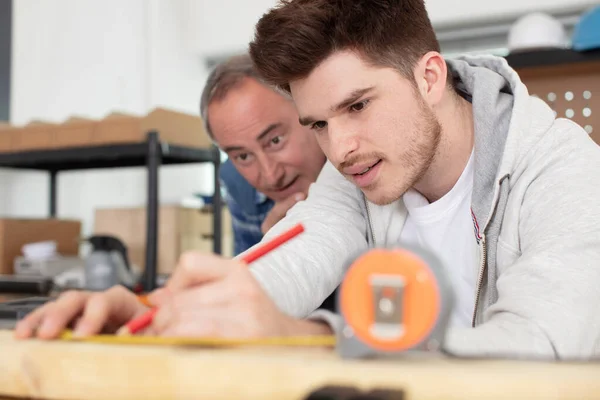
[[445, 227]]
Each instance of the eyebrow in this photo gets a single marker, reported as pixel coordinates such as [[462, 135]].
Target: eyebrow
[[347, 102], [264, 133]]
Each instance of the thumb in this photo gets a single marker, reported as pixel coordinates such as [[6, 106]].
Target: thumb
[[298, 197], [289, 202], [195, 268]]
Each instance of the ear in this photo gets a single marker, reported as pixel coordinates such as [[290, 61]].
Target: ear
[[431, 75]]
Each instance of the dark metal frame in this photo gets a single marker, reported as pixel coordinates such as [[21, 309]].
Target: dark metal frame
[[6, 7], [152, 153], [550, 57]]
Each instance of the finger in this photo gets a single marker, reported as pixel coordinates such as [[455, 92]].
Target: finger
[[75, 322], [109, 327], [296, 197], [279, 211], [114, 307], [166, 315], [197, 268], [27, 326], [281, 208], [59, 314], [269, 221], [157, 296], [272, 218]]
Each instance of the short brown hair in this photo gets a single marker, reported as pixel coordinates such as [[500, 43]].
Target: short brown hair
[[297, 35], [226, 76]]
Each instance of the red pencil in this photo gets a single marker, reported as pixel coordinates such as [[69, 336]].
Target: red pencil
[[272, 244], [137, 324]]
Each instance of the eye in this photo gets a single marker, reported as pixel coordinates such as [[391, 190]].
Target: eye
[[318, 125], [242, 157], [359, 106], [275, 143]]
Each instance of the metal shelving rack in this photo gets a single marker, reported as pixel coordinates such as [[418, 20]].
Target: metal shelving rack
[[152, 154], [550, 57]]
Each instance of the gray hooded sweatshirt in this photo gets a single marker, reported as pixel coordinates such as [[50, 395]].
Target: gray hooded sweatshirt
[[536, 200]]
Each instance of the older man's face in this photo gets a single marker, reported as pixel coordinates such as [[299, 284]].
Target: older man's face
[[259, 130]]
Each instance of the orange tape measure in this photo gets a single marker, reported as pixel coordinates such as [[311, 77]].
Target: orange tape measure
[[393, 300]]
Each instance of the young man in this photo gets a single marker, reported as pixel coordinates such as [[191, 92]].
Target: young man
[[272, 158], [452, 155]]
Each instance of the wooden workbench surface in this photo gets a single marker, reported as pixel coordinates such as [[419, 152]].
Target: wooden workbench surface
[[70, 370]]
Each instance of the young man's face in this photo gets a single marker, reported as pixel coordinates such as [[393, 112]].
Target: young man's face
[[259, 130], [372, 124]]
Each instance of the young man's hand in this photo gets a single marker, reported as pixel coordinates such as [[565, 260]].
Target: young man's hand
[[212, 296], [207, 296], [279, 211], [88, 313]]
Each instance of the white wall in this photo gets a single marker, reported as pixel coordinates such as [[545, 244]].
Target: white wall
[[88, 58], [219, 28], [464, 12]]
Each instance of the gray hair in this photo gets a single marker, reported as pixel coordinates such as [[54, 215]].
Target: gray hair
[[224, 77]]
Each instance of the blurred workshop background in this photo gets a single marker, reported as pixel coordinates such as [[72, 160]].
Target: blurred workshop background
[[91, 75]]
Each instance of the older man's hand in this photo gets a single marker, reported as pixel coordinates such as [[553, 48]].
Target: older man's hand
[[279, 211]]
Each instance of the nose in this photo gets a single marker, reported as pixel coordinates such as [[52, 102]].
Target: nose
[[273, 172], [343, 142]]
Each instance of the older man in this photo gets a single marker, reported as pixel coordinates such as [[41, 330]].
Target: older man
[[272, 158]]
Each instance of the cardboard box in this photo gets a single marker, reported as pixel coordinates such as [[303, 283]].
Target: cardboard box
[[5, 137], [16, 232], [75, 132], [173, 127], [37, 135], [179, 230]]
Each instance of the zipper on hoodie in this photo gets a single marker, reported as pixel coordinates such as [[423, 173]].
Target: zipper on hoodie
[[480, 278], [483, 266], [370, 221]]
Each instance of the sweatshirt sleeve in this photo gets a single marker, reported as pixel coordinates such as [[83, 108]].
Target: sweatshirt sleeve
[[312, 265]]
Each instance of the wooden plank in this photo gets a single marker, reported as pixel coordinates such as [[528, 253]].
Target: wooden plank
[[87, 371]]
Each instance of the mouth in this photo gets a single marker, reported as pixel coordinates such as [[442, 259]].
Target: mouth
[[367, 169], [286, 187], [365, 177]]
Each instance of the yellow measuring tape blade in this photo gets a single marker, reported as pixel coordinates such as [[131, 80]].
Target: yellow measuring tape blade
[[300, 341]]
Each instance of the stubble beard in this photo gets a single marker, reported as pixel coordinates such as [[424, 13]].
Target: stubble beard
[[417, 159]]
